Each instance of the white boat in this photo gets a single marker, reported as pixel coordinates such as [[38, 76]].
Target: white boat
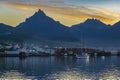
[[83, 56]]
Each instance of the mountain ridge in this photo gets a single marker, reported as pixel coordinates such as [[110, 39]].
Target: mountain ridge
[[40, 27]]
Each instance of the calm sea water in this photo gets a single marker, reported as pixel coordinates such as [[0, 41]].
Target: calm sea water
[[60, 68]]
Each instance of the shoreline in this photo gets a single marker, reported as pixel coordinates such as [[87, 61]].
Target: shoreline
[[15, 55]]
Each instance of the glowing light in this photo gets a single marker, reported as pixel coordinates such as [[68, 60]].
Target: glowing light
[[14, 75]]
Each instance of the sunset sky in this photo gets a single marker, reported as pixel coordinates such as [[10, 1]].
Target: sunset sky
[[68, 12]]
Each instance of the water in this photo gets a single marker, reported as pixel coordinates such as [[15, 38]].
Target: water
[[60, 68]]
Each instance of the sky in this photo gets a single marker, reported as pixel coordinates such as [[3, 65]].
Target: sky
[[68, 12]]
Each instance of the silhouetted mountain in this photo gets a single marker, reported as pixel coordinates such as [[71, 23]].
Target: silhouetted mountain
[[91, 27], [5, 29], [41, 26], [116, 26], [94, 33], [115, 31], [6, 32], [92, 23]]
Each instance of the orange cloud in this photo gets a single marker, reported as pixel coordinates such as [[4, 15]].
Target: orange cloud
[[66, 15]]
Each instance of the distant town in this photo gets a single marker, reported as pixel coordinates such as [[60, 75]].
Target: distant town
[[25, 50]]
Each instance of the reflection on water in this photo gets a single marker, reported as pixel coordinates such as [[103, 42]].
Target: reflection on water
[[12, 74], [60, 68]]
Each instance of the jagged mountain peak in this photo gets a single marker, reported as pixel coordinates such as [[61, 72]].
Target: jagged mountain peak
[[42, 26], [40, 19], [93, 21], [39, 13]]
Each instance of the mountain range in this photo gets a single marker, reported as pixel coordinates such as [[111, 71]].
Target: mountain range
[[41, 27]]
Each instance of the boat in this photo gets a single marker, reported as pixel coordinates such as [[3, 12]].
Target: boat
[[83, 56]]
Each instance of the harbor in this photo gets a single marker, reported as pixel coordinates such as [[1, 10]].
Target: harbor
[[18, 50]]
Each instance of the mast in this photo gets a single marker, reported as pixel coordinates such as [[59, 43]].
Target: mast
[[82, 42]]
